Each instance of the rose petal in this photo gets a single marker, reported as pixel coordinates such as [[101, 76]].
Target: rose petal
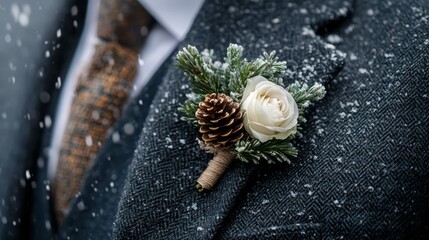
[[284, 135], [251, 84], [252, 109], [264, 113], [260, 136], [260, 128]]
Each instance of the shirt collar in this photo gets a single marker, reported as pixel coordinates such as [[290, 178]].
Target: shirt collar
[[176, 16]]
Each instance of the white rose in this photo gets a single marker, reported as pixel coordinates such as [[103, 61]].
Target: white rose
[[270, 110]]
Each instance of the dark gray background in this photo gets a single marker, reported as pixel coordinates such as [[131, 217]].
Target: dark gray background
[[27, 84]]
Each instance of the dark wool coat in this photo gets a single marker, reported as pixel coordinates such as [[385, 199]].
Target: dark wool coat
[[363, 165]]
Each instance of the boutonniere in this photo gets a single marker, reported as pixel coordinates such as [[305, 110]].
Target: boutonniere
[[242, 109]]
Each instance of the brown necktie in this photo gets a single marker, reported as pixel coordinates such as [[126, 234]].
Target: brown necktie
[[101, 91]]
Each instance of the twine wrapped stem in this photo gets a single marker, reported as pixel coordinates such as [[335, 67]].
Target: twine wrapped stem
[[216, 167]]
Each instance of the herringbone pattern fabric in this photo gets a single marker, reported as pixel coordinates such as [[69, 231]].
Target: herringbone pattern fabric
[[362, 171], [159, 200], [96, 107]]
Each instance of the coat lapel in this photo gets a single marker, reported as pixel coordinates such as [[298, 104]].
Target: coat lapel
[[159, 199]]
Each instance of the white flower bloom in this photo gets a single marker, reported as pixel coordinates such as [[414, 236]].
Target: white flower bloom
[[270, 110]]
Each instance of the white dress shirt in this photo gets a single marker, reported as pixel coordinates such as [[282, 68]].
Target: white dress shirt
[[173, 20]]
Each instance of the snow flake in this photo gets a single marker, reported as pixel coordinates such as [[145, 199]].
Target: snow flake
[[88, 141], [363, 71], [116, 137]]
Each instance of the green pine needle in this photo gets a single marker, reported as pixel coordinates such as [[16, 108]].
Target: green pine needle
[[207, 76], [240, 70], [190, 107], [273, 151], [304, 96], [200, 71]]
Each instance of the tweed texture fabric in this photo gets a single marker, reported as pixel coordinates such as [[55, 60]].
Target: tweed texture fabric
[[100, 94], [362, 171], [125, 22], [171, 206], [96, 106]]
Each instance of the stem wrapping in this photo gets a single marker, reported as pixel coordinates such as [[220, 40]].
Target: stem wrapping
[[215, 169]]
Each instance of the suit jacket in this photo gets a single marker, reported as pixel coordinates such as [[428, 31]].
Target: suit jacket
[[362, 171]]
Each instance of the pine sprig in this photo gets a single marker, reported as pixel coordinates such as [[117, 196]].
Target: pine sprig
[[240, 70], [304, 95], [271, 68], [252, 150], [234, 54], [200, 71], [189, 108], [231, 76]]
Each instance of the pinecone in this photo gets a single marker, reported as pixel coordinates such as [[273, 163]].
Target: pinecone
[[220, 119]]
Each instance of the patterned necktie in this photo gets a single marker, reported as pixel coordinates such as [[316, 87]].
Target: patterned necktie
[[101, 91]]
